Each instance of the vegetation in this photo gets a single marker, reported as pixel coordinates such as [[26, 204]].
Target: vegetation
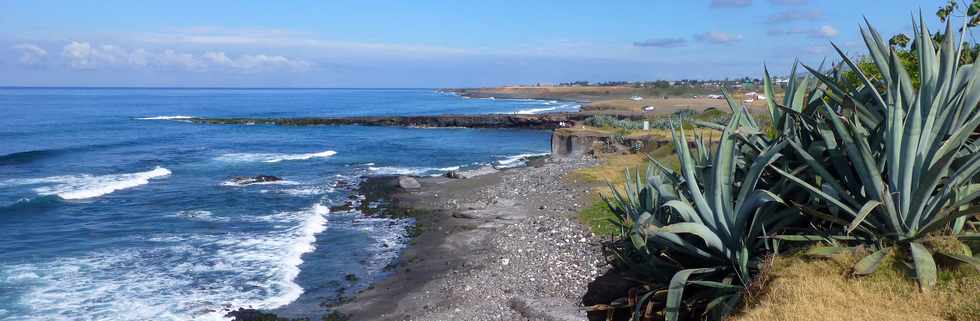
[[599, 219], [874, 167], [820, 290]]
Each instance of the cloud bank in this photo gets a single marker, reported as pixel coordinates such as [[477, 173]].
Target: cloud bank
[[83, 55], [662, 42]]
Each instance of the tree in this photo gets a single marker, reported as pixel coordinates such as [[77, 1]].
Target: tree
[[899, 40]]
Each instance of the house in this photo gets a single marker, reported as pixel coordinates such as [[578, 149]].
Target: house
[[754, 96]]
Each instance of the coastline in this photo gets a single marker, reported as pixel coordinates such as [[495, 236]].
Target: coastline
[[499, 246]]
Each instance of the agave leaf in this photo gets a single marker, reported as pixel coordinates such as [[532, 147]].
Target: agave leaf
[[687, 170], [870, 263], [812, 238], [817, 191], [822, 172], [826, 251], [971, 260], [675, 290], [775, 116], [864, 79], [722, 306], [710, 238], [685, 210], [862, 214], [925, 266], [717, 285]]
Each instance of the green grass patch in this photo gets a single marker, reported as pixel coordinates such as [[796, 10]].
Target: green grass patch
[[597, 217]]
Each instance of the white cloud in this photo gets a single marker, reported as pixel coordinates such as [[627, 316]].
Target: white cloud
[[264, 38], [718, 37], [30, 54], [825, 31], [83, 55], [662, 42], [255, 62], [795, 15]]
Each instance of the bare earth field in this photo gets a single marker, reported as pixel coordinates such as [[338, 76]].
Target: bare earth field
[[616, 99]]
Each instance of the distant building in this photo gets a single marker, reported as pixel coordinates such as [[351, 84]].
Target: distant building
[[754, 96]]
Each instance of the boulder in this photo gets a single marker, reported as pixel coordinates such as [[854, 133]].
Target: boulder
[[453, 174], [409, 183], [546, 309]]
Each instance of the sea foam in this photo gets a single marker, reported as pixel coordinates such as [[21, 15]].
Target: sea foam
[[418, 171], [561, 107], [272, 157], [517, 160], [73, 187], [183, 277]]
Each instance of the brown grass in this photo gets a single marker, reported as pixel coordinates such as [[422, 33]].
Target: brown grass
[[818, 290], [667, 106]]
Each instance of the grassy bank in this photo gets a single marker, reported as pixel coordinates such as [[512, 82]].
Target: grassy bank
[[802, 288]]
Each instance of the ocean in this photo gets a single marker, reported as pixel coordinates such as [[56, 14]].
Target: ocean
[[113, 208]]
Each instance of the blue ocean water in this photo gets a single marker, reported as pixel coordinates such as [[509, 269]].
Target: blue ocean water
[[111, 208]]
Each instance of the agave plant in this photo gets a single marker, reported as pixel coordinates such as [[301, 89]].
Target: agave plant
[[704, 225], [902, 161]]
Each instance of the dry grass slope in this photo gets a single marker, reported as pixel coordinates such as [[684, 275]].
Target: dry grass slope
[[820, 289]]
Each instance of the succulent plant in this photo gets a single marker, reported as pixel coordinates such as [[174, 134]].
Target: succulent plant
[[904, 163], [703, 225]]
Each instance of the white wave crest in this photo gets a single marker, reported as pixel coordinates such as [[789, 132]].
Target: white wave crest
[[561, 107], [417, 171], [166, 117], [517, 160], [271, 157], [74, 187], [183, 277]]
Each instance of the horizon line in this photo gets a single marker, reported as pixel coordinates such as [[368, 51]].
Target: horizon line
[[219, 87]]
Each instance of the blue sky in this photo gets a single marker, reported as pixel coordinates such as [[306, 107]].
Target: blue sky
[[423, 43]]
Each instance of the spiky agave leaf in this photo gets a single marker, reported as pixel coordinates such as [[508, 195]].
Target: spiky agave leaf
[[904, 145]]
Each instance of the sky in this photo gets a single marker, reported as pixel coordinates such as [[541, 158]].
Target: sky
[[425, 44]]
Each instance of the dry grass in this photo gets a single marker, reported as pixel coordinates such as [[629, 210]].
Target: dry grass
[[820, 289], [612, 167], [667, 106]]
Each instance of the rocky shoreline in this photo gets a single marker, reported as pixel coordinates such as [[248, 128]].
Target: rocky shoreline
[[501, 246]]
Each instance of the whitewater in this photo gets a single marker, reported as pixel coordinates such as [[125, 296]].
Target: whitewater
[[114, 207]]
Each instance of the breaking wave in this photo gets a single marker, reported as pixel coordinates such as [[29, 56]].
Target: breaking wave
[[186, 277], [272, 157], [416, 171], [562, 107], [517, 160], [73, 187]]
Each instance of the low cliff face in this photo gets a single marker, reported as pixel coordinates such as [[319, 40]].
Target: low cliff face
[[574, 143], [567, 143]]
